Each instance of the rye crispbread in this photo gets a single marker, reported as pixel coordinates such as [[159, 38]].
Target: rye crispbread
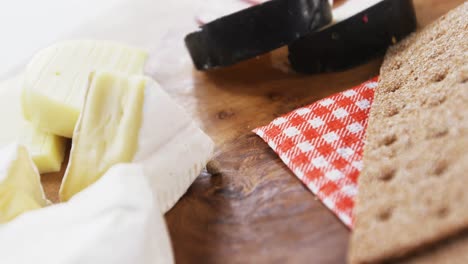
[[451, 251], [412, 190]]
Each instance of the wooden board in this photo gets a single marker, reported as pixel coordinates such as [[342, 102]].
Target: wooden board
[[252, 209]]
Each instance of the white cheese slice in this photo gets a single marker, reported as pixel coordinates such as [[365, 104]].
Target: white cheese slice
[[56, 80], [350, 8], [131, 119], [340, 13], [20, 184], [47, 150], [114, 221]]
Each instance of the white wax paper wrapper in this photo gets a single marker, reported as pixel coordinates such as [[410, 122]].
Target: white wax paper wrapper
[[115, 220]]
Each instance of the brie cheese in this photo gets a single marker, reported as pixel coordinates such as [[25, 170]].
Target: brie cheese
[[20, 184], [47, 150], [56, 80], [131, 119], [114, 221]]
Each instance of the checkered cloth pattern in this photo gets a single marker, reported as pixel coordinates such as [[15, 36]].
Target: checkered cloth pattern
[[322, 144]]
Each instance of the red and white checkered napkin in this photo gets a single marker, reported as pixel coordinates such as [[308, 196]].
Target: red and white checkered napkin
[[323, 143]]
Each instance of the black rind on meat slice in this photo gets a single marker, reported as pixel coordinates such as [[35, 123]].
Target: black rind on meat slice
[[355, 40], [255, 31]]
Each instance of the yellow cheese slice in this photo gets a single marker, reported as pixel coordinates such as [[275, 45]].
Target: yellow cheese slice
[[20, 185], [47, 150], [56, 80], [107, 132], [132, 119]]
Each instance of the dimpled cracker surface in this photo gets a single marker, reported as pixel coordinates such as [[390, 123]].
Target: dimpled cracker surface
[[412, 190]]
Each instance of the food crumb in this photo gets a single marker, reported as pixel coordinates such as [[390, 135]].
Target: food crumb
[[365, 19]]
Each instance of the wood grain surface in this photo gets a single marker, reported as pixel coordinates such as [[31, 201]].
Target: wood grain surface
[[248, 207]]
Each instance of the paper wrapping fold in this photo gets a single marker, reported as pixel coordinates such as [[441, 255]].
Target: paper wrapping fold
[[116, 220]]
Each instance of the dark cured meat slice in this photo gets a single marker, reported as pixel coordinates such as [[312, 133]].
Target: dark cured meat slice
[[355, 40], [255, 30]]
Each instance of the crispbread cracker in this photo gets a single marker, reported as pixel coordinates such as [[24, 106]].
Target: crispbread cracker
[[412, 190], [453, 251]]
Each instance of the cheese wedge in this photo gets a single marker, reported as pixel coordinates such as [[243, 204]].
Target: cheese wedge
[[131, 119], [115, 221], [20, 184], [350, 8], [47, 150], [56, 80]]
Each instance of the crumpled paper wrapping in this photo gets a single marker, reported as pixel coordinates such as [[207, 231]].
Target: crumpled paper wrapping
[[116, 220]]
